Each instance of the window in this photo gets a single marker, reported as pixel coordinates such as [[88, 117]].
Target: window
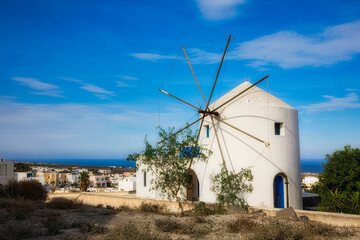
[[279, 128], [144, 179], [207, 131]]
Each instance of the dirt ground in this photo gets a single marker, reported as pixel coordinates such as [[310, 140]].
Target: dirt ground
[[64, 220]]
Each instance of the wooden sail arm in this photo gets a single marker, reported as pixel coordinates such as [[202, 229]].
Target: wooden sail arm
[[179, 99], [192, 70], [217, 75], [218, 141], [248, 88], [182, 129], [248, 134]]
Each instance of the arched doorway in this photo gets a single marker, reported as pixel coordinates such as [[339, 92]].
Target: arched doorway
[[192, 191], [281, 198]]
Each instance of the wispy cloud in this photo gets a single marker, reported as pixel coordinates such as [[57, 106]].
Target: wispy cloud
[[154, 57], [199, 56], [71, 79], [215, 10], [77, 130], [333, 104], [98, 91], [288, 49], [127, 77], [34, 83], [95, 89], [352, 89], [43, 88], [122, 84]]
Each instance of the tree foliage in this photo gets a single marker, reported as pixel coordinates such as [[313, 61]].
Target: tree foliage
[[229, 185], [84, 181], [339, 184], [169, 162], [22, 167], [341, 171]]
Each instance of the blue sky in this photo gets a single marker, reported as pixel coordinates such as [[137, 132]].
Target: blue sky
[[79, 79]]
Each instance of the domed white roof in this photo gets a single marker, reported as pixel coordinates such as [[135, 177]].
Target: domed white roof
[[254, 95]]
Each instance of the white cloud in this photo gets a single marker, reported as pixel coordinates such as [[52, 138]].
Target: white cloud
[[71, 79], [288, 49], [122, 84], [96, 89], [77, 130], [198, 56], [333, 104], [127, 77], [34, 83], [352, 89], [215, 10], [50, 93], [154, 57], [43, 88]]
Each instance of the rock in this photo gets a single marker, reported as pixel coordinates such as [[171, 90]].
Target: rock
[[232, 209], [304, 218], [287, 213]]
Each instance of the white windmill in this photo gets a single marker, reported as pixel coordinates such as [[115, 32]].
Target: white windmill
[[234, 128]]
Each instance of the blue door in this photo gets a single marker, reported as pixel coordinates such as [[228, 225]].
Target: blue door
[[279, 192]]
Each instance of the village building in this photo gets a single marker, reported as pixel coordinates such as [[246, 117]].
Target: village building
[[99, 181], [127, 184], [271, 149], [6, 171]]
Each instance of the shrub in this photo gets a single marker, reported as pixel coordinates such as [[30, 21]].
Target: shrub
[[152, 207], [21, 211], [31, 190], [167, 224], [93, 228], [201, 209], [63, 203], [228, 185]]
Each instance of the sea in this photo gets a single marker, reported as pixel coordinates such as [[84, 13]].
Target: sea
[[307, 165]]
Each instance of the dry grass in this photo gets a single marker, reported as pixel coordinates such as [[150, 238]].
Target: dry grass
[[152, 208], [64, 203], [64, 220], [242, 224], [131, 230]]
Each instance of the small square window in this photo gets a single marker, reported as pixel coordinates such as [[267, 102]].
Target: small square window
[[279, 128]]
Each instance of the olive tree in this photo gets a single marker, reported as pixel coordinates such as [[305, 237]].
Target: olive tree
[[170, 161], [229, 185]]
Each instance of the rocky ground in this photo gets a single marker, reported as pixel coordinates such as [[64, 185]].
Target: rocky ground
[[68, 219]]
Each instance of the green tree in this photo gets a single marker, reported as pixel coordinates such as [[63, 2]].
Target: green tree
[[84, 181], [169, 162], [22, 167], [340, 181], [341, 171], [229, 185]]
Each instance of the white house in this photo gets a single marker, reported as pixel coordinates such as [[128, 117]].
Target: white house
[[269, 145], [127, 184], [6, 171]]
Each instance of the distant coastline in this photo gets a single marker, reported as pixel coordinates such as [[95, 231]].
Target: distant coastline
[[83, 162], [307, 165]]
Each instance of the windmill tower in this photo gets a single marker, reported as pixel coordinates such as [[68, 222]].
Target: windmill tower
[[246, 127]]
